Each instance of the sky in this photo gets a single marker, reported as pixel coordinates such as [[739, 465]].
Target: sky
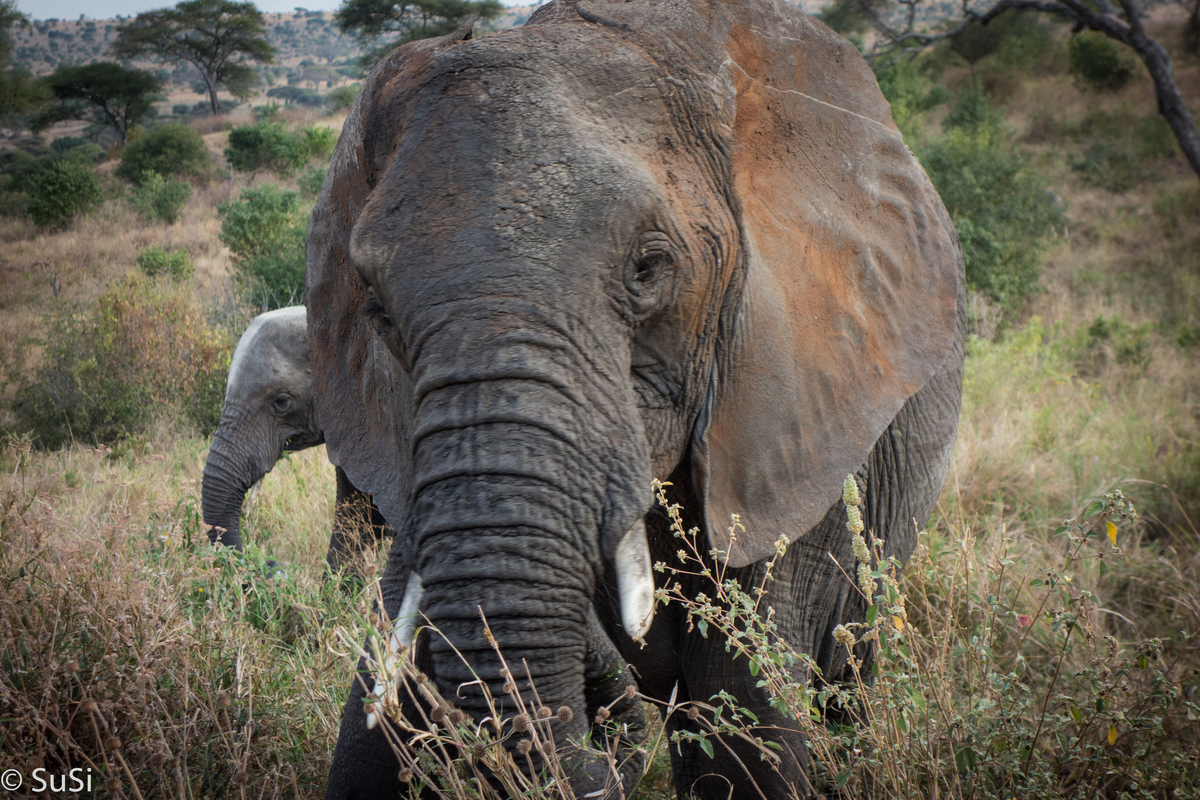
[[104, 9]]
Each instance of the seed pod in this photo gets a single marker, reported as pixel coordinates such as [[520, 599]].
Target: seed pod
[[112, 786], [630, 692], [548, 747], [520, 723], [112, 743], [72, 667], [544, 713], [694, 713], [438, 715], [565, 714], [509, 687], [456, 717], [479, 750], [602, 714], [850, 495], [222, 700], [239, 779], [157, 760], [405, 776], [88, 706], [524, 746], [422, 677]]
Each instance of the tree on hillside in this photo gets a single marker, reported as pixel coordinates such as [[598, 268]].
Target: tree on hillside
[[217, 37], [900, 34], [19, 92], [105, 94], [384, 24]]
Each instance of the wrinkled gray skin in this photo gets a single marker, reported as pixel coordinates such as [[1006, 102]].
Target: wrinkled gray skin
[[679, 238], [269, 409]]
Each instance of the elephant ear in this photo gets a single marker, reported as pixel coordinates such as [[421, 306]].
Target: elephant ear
[[852, 279], [363, 396], [852, 270]]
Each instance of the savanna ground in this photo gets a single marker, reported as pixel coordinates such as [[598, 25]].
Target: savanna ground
[[1018, 655]]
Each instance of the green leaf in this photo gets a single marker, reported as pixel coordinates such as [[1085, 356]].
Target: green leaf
[[707, 747]]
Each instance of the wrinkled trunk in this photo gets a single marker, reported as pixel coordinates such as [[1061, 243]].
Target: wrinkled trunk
[[229, 471], [515, 472]]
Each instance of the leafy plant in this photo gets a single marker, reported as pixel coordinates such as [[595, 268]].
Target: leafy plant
[[341, 98], [312, 180], [61, 191], [107, 95], [158, 198], [1098, 62], [155, 260], [109, 368], [274, 146], [265, 229], [1001, 208], [169, 149]]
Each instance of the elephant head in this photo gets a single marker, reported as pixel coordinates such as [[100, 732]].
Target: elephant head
[[268, 409], [658, 237]]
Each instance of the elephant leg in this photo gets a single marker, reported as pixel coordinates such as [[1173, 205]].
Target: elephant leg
[[357, 524]]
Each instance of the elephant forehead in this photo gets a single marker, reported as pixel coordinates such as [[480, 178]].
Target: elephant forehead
[[270, 347]]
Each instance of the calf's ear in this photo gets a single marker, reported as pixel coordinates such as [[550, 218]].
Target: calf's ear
[[363, 396]]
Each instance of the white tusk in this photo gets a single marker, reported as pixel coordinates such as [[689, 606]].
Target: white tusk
[[406, 617], [635, 583]]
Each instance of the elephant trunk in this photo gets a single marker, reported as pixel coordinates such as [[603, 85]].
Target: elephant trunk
[[514, 488], [233, 465]]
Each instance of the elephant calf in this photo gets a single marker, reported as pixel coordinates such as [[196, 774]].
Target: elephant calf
[[269, 409]]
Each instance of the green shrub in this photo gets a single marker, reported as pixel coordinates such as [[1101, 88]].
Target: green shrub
[[170, 149], [1098, 62], [267, 145], [343, 97], [155, 260], [61, 191], [973, 110], [1110, 165], [910, 93], [320, 141], [1153, 138], [1001, 208], [265, 229], [108, 368], [158, 199], [312, 180]]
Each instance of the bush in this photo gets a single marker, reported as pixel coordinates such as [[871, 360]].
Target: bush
[[312, 180], [267, 145], [343, 97], [910, 93], [320, 141], [181, 109], [1109, 165], [108, 368], [1001, 209], [973, 110], [157, 198], [61, 191], [265, 229], [155, 260], [1098, 62], [170, 149]]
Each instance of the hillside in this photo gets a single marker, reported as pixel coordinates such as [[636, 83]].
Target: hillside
[[296, 36]]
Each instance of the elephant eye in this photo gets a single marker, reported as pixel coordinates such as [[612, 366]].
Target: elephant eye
[[650, 263], [280, 403], [376, 314]]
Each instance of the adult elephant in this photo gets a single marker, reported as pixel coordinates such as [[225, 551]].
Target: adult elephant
[[268, 410], [680, 238]]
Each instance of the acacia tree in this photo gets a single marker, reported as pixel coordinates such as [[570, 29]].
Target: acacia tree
[[104, 94], [384, 24], [899, 34], [217, 37]]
